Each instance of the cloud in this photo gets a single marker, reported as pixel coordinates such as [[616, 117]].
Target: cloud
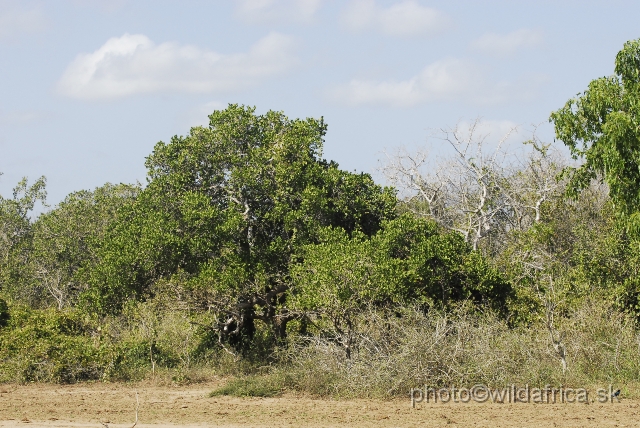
[[442, 81], [277, 11], [16, 19], [133, 64], [501, 45], [404, 19]]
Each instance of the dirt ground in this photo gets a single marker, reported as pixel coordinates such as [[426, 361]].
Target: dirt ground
[[89, 405]]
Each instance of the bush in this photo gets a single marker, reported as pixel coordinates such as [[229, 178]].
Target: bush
[[395, 352], [49, 346], [251, 386], [67, 346], [4, 313]]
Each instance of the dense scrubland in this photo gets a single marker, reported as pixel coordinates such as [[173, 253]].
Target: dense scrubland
[[248, 255]]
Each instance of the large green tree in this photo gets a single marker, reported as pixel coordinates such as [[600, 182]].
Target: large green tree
[[601, 126], [226, 207]]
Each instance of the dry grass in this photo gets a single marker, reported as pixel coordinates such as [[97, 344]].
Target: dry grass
[[463, 348]]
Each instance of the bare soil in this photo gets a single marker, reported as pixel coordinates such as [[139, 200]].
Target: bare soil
[[90, 405]]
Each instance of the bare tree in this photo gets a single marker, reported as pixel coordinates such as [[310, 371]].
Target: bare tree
[[481, 190], [54, 283], [533, 179]]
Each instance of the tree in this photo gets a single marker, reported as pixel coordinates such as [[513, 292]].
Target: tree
[[480, 191], [226, 207], [601, 127], [63, 240], [16, 232], [410, 261]]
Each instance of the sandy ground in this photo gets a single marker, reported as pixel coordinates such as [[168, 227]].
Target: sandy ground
[[89, 405]]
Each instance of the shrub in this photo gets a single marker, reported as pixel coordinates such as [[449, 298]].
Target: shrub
[[398, 351], [49, 346], [4, 313], [251, 386]]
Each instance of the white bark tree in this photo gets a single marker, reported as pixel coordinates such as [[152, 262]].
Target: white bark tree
[[481, 189]]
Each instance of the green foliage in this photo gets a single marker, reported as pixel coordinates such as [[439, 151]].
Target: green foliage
[[65, 238], [4, 313], [16, 232], [228, 206], [408, 261], [580, 250], [45, 265], [49, 346], [601, 127], [250, 386], [246, 250], [14, 213]]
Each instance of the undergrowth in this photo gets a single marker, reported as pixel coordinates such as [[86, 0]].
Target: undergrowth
[[392, 352], [251, 386]]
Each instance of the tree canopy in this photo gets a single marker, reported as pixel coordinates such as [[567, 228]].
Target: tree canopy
[[227, 205], [246, 241], [245, 223], [602, 127]]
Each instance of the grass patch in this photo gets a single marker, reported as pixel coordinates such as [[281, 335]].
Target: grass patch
[[250, 386]]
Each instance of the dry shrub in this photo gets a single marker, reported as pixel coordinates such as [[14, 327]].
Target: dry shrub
[[407, 349]]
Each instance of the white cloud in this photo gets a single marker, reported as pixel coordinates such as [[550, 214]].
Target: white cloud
[[442, 81], [133, 64], [16, 19], [507, 44], [407, 18], [277, 11]]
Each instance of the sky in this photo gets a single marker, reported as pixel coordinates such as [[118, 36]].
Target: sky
[[88, 87]]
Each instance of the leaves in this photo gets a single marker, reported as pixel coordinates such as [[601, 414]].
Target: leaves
[[230, 206], [601, 126], [408, 261]]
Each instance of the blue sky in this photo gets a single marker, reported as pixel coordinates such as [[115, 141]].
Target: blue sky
[[88, 87]]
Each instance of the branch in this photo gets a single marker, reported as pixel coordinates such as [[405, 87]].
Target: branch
[[137, 408]]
